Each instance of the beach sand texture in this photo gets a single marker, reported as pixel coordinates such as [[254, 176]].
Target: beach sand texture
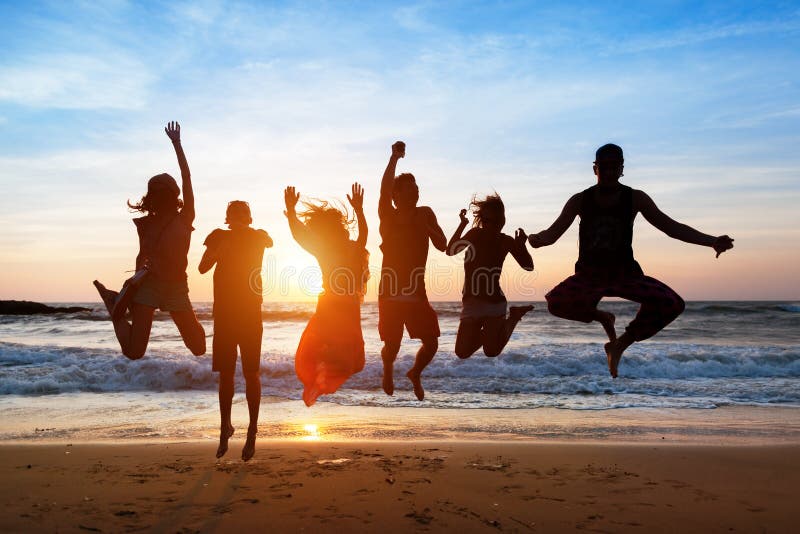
[[400, 487]]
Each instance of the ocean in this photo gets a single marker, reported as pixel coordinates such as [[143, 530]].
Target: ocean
[[59, 369]]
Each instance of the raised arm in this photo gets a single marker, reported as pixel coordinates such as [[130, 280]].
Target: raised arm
[[173, 130], [435, 232], [559, 226], [644, 204], [357, 201], [456, 244], [520, 251], [385, 198], [296, 226]]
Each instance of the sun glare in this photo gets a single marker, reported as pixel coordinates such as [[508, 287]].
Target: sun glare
[[312, 433]]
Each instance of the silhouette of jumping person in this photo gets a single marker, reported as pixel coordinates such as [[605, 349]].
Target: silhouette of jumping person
[[484, 306], [160, 281], [331, 348], [405, 230], [238, 254], [606, 266]]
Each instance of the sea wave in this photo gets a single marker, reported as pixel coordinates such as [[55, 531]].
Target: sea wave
[[703, 373]]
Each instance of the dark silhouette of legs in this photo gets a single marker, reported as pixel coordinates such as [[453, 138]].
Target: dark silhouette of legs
[[133, 336], [225, 402], [469, 337], [389, 354], [424, 356], [497, 330], [253, 393], [192, 332]]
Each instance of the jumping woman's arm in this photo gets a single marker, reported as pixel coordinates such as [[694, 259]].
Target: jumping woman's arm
[[296, 226], [520, 251], [644, 204], [357, 201], [456, 244], [387, 182], [173, 130], [561, 224]]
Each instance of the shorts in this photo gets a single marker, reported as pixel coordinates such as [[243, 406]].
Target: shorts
[[242, 330], [168, 296], [483, 309], [417, 316]]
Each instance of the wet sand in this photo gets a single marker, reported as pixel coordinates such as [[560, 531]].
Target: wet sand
[[368, 486]]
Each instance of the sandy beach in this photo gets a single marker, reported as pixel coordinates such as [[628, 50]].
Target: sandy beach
[[400, 487]]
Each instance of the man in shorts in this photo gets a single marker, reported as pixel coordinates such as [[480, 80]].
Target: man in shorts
[[406, 229], [238, 254]]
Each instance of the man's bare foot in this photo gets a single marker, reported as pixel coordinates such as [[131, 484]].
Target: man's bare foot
[[224, 436], [109, 297], [388, 380], [249, 448], [614, 350], [415, 378], [518, 312], [607, 319]]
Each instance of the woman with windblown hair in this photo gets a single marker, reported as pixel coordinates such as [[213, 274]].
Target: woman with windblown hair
[[332, 346]]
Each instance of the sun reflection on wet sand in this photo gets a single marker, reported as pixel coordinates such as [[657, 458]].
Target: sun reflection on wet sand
[[312, 432]]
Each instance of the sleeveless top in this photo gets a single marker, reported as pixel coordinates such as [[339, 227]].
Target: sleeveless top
[[606, 235], [483, 265], [237, 276], [405, 251], [166, 244]]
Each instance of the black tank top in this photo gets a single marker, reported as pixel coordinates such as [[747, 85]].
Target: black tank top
[[606, 235]]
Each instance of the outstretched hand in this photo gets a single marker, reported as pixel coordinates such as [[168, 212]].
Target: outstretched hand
[[520, 237], [290, 197], [535, 241], [173, 130], [721, 244], [463, 216], [357, 198], [399, 150]]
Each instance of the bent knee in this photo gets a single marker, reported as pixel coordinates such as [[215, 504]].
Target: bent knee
[[463, 353], [135, 353], [492, 352], [430, 344]]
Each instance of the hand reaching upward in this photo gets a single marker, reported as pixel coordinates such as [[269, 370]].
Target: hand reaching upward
[[290, 197], [520, 237], [357, 198], [173, 130], [463, 216], [399, 149]]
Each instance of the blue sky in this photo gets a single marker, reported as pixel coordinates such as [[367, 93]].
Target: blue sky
[[510, 96]]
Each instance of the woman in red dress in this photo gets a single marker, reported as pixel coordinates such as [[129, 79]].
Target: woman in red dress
[[332, 346]]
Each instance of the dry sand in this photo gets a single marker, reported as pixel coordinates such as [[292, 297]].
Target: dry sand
[[400, 487]]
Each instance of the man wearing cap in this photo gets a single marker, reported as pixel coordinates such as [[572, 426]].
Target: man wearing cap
[[606, 266]]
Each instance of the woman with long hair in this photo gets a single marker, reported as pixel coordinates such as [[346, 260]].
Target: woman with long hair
[[165, 232], [331, 348]]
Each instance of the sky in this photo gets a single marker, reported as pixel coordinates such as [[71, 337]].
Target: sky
[[512, 97]]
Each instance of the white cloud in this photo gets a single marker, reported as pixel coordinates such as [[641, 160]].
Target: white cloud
[[76, 81]]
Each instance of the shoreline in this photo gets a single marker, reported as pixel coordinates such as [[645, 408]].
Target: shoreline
[[186, 418]]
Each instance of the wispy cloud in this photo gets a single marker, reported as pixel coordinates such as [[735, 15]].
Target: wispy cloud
[[73, 81]]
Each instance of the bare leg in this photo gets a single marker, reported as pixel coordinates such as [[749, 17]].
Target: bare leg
[[133, 337], [389, 355], [606, 319], [192, 332], [253, 381], [614, 350], [225, 401], [497, 330], [424, 356], [469, 337]]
